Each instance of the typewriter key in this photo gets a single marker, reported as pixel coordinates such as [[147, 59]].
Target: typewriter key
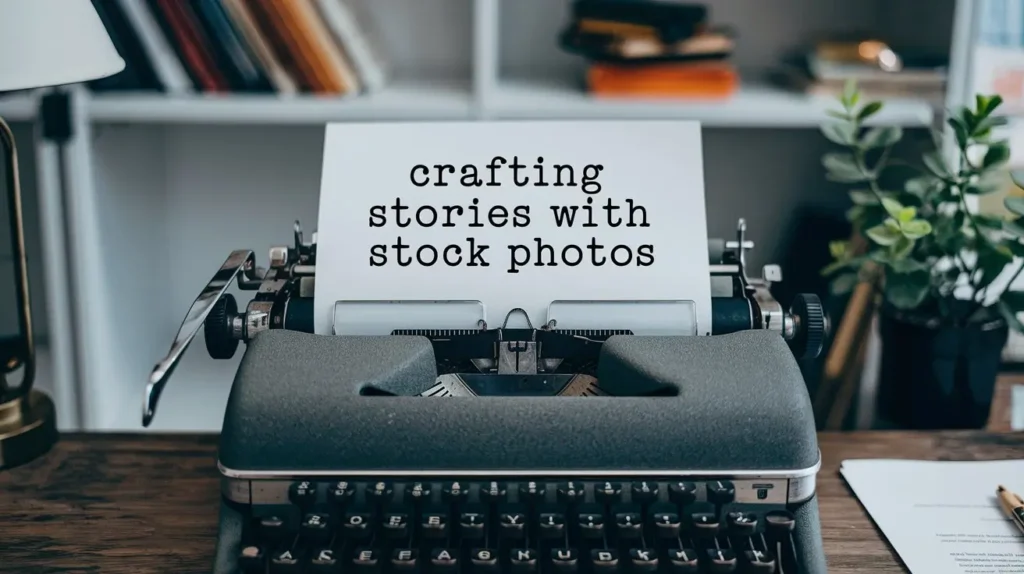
[[627, 524], [303, 493], [323, 561], [758, 561], [251, 559], [703, 519], [682, 492], [285, 561], [570, 492], [565, 560], [721, 492], [417, 491], [493, 492], [523, 560], [316, 526], [608, 492], [434, 525], [340, 493], [644, 492], [666, 524], [741, 523], [454, 492], [551, 525], [643, 559], [683, 561], [722, 560], [604, 561], [379, 492], [591, 524], [484, 560], [444, 559], [365, 560], [396, 525], [531, 491], [404, 559], [780, 521], [512, 524], [471, 524]]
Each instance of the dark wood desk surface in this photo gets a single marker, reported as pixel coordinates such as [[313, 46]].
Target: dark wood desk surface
[[139, 504]]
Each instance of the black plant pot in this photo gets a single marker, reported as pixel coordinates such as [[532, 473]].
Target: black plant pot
[[938, 376]]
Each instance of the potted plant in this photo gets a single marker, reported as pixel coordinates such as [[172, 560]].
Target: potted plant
[[941, 271]]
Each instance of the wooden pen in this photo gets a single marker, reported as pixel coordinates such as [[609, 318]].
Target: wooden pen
[[1012, 505]]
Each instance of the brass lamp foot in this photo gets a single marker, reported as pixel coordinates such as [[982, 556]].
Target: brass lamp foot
[[27, 430]]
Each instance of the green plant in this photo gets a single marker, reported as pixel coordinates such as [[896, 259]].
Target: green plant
[[925, 249]]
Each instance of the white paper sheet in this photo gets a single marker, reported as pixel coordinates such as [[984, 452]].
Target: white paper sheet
[[655, 168], [942, 517]]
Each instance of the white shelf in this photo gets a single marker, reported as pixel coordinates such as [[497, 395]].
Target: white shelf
[[423, 100], [18, 107], [753, 106]]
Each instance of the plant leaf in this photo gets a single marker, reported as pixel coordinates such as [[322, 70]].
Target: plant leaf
[[842, 167], [920, 186], [1015, 204], [907, 290], [837, 249], [883, 235], [959, 130], [842, 133], [882, 136], [1014, 227], [1010, 316], [863, 197], [906, 214], [935, 164], [998, 153], [916, 229], [850, 94], [892, 207], [839, 115], [901, 249], [869, 110]]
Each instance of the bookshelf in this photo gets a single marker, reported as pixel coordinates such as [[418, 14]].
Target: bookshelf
[[161, 188]]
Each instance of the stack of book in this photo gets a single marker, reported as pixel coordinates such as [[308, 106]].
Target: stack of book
[[651, 48], [281, 47], [880, 70]]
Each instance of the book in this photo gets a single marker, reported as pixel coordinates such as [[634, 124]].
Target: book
[[282, 47]]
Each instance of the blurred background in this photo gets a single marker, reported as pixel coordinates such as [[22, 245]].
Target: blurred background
[[211, 140]]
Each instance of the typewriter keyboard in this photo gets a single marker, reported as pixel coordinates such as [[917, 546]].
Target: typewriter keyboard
[[524, 527]]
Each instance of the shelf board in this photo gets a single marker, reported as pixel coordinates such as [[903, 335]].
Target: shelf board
[[753, 106], [18, 107], [400, 101]]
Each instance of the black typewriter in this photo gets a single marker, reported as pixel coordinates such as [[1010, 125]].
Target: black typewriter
[[547, 449]]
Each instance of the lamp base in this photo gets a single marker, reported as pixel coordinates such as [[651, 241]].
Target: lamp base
[[27, 429]]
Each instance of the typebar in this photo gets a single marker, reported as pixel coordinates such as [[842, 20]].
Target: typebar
[[402, 525]]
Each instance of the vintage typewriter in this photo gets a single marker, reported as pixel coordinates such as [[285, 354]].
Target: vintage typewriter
[[566, 448]]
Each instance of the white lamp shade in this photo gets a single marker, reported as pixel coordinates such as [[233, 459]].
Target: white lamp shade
[[53, 42]]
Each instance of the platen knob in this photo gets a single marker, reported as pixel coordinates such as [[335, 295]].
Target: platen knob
[[810, 326], [220, 344]]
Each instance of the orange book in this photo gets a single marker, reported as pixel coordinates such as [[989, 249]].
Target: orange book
[[668, 80]]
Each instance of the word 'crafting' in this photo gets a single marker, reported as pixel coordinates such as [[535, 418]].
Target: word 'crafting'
[[566, 250]]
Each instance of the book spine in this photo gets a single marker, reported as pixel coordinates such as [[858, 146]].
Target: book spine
[[165, 61]]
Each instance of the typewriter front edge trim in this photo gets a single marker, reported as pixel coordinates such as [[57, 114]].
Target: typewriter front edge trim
[[246, 487]]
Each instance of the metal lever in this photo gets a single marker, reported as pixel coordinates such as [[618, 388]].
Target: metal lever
[[240, 265]]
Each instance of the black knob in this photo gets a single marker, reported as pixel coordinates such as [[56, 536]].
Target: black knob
[[220, 344], [779, 522], [810, 334]]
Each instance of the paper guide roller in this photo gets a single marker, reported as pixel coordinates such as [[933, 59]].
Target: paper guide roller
[[560, 353]]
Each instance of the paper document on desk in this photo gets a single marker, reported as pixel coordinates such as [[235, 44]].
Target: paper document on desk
[[512, 214], [942, 517]]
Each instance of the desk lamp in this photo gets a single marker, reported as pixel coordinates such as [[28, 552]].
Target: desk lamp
[[43, 43]]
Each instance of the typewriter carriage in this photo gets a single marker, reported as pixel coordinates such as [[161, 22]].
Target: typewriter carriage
[[284, 300]]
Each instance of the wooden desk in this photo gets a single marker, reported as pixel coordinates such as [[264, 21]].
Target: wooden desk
[[141, 504]]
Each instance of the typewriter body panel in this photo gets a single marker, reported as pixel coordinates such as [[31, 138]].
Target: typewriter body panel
[[499, 450]]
